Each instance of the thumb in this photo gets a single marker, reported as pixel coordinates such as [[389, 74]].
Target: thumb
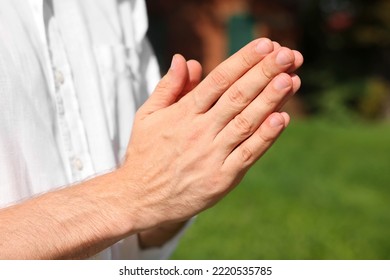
[[170, 86]]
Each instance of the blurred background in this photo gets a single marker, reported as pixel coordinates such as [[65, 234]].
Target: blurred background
[[323, 190]]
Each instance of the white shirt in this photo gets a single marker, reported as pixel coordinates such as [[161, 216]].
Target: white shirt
[[69, 88]]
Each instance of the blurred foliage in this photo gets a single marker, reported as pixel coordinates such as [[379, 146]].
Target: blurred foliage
[[346, 47]]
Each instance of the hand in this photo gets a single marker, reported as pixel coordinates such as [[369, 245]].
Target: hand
[[191, 144], [186, 153]]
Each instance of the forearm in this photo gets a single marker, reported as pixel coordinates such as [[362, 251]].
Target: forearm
[[71, 223]]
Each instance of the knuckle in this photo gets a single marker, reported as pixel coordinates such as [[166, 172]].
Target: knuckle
[[194, 135], [265, 70], [266, 139], [215, 183], [164, 84], [246, 154], [219, 80], [237, 96], [243, 125], [245, 61], [267, 100]]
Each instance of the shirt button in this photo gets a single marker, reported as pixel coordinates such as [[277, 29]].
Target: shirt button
[[77, 164], [59, 78]]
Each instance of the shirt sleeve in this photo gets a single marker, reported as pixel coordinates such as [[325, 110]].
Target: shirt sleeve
[[129, 248]]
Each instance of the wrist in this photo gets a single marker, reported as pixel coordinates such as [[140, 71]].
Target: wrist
[[116, 196]]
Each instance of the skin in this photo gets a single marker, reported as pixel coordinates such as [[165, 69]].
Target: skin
[[192, 143]]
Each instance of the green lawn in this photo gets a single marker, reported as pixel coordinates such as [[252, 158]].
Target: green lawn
[[322, 192]]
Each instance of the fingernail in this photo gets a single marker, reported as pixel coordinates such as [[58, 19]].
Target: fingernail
[[284, 57], [282, 82], [276, 121], [173, 63], [264, 46]]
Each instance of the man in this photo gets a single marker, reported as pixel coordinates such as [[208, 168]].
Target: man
[[72, 75]]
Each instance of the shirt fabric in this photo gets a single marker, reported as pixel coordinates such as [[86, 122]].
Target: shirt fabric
[[72, 75]]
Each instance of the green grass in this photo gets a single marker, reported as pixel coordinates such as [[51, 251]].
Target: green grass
[[322, 192]]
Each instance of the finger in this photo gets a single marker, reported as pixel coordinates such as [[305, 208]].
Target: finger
[[241, 93], [249, 120], [228, 72], [286, 117], [194, 77], [296, 85], [298, 61], [170, 86], [195, 74], [298, 58], [276, 45], [296, 82], [255, 146]]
